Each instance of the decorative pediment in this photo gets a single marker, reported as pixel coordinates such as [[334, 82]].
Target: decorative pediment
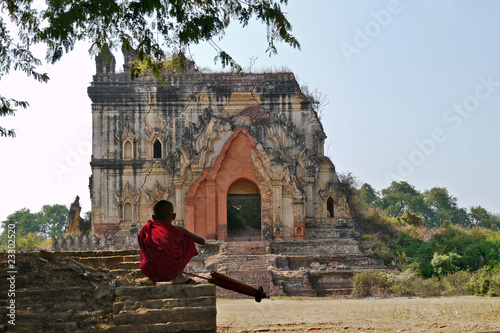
[[154, 123], [328, 191], [152, 136], [156, 193], [127, 195], [127, 134]]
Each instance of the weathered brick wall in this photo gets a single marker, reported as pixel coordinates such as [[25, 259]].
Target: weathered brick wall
[[317, 247], [165, 308]]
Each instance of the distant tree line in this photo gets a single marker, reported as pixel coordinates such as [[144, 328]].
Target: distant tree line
[[33, 228], [432, 208], [433, 246]]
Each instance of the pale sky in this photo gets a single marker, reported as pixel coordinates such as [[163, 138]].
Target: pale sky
[[413, 90]]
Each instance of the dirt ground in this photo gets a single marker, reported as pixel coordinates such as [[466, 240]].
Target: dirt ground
[[451, 314]]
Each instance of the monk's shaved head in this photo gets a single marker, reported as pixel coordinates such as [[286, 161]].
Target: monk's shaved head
[[163, 210]]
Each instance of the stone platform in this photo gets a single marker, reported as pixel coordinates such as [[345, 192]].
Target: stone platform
[[58, 292], [164, 308], [292, 268]]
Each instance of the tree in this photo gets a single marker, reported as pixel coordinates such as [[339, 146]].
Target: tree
[[482, 218], [445, 207], [401, 196], [26, 222], [348, 185], [52, 219], [152, 28], [49, 221], [368, 195], [411, 218]]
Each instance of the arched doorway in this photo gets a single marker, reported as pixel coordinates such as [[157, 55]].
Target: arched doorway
[[329, 207], [244, 212]]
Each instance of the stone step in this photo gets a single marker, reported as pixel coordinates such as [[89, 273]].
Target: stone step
[[163, 291], [130, 265], [84, 254], [241, 262], [134, 258], [317, 247], [106, 262], [21, 281], [38, 327], [188, 326], [162, 304], [175, 315], [35, 296], [337, 261], [133, 273], [243, 248], [51, 321]]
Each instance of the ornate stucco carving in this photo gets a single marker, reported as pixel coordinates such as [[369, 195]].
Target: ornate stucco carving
[[196, 117], [156, 193], [127, 195]]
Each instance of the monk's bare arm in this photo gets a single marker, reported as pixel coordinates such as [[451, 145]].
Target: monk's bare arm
[[196, 238]]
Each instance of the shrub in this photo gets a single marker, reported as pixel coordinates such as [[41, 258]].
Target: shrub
[[369, 283], [427, 287], [454, 284], [445, 263], [402, 284], [495, 284], [28, 243], [479, 283]]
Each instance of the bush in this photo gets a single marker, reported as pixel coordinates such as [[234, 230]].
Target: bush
[[479, 283], [427, 287], [454, 284], [445, 263], [369, 283], [402, 284], [495, 284], [28, 243]]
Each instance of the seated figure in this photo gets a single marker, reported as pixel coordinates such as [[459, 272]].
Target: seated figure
[[166, 249]]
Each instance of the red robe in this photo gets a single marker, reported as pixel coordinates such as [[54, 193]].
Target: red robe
[[165, 251]]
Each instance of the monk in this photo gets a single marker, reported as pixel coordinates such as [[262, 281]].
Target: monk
[[166, 249]]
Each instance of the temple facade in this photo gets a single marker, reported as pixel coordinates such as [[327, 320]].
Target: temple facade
[[207, 142]]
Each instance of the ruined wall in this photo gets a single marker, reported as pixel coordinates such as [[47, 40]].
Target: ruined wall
[[192, 139]]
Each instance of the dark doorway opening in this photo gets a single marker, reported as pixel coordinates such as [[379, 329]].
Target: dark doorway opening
[[244, 213], [157, 149], [329, 207]]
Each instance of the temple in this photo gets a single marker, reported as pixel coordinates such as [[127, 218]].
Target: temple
[[218, 146]]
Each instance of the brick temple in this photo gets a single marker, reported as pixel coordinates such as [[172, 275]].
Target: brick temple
[[241, 157], [204, 140]]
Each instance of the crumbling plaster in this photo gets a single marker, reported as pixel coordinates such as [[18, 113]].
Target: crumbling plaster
[[214, 129]]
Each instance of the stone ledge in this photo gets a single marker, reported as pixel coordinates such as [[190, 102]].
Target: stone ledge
[[164, 291], [190, 326], [176, 315], [162, 304]]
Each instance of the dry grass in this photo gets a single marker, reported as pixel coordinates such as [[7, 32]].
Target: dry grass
[[449, 314]]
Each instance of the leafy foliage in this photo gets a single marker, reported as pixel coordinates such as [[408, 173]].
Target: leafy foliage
[[49, 221], [433, 246], [234, 220], [152, 28]]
